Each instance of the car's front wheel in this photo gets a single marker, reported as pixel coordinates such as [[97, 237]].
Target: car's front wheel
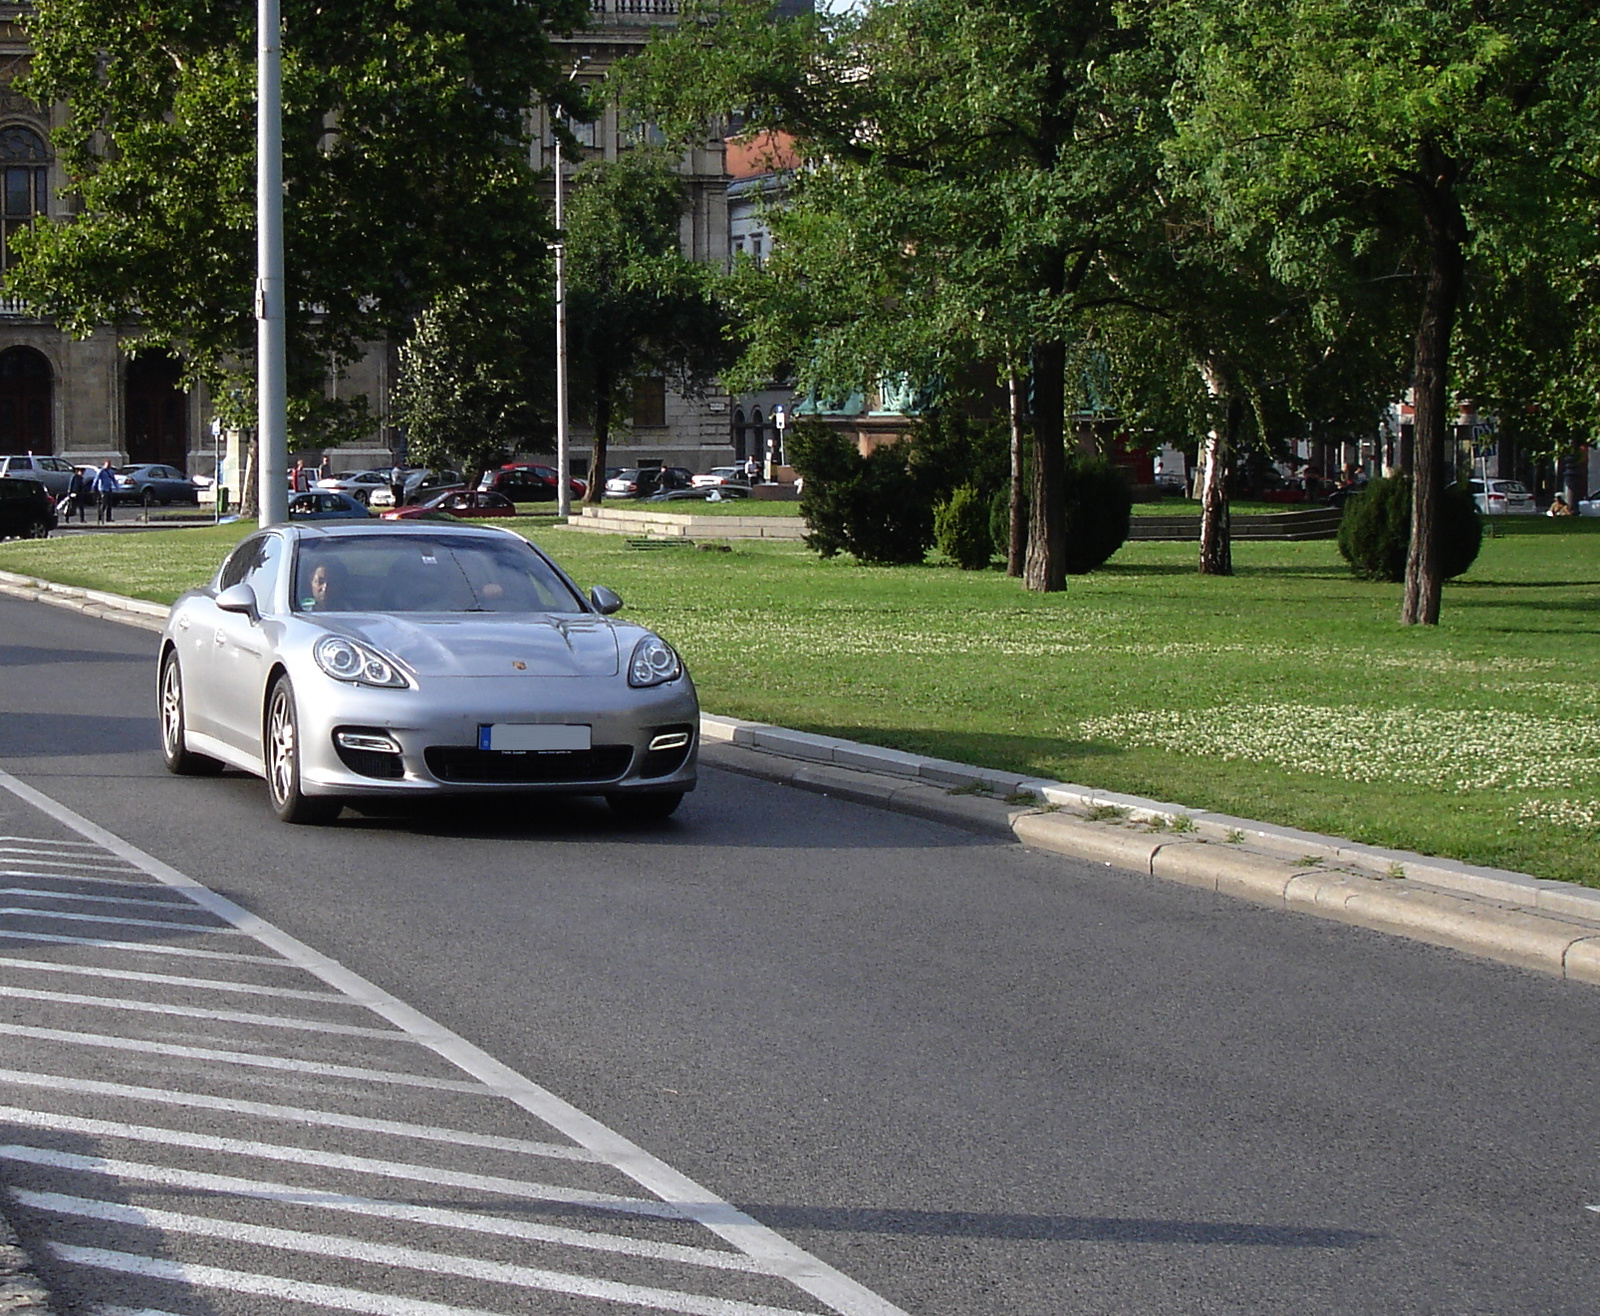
[[645, 806], [282, 747], [178, 757], [38, 528]]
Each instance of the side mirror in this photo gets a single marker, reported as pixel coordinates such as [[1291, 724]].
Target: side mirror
[[239, 598], [605, 601]]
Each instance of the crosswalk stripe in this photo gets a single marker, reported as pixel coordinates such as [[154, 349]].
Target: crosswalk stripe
[[402, 1170], [165, 1176], [42, 893], [383, 1304], [215, 1016], [170, 980], [386, 1254], [146, 948], [299, 1115], [135, 881], [210, 929], [246, 1058]]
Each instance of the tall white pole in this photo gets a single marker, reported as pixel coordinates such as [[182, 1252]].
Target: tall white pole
[[563, 458], [272, 423]]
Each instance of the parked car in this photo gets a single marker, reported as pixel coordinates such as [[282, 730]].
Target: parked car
[[1503, 498], [54, 473], [713, 493], [468, 503], [327, 505], [528, 482], [150, 483], [420, 485], [721, 475], [341, 661], [642, 481], [1590, 506], [358, 484], [27, 511]]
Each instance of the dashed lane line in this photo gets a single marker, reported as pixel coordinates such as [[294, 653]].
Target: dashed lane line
[[386, 1254], [807, 1272], [297, 1115], [249, 1059], [166, 1176]]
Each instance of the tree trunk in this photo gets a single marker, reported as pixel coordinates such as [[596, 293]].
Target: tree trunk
[[1575, 472], [597, 449], [1046, 567], [1017, 543], [1447, 234], [249, 482], [1216, 522]]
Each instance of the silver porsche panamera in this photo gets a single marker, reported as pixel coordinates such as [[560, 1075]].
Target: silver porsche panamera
[[343, 661]]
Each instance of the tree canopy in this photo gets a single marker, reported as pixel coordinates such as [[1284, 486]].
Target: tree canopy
[[405, 168]]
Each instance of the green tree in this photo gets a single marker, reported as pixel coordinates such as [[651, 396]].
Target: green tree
[[975, 172], [636, 307], [475, 378], [405, 169], [1450, 129]]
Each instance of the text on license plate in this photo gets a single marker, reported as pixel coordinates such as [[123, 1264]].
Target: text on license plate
[[520, 737]]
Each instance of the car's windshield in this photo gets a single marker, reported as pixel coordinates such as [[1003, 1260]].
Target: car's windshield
[[393, 572]]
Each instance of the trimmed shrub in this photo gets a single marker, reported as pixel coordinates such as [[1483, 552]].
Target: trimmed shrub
[[1375, 533], [1099, 505], [870, 507], [961, 529]]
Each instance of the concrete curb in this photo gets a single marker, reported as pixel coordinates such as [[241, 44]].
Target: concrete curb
[[1552, 927]]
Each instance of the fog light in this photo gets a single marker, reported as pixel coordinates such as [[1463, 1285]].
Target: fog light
[[376, 741], [671, 740]]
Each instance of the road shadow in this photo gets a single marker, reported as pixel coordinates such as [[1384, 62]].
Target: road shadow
[[24, 655], [46, 735]]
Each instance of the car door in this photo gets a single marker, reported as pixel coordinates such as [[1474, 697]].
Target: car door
[[233, 671]]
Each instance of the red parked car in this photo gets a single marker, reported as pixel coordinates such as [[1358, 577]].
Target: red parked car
[[528, 482], [467, 503]]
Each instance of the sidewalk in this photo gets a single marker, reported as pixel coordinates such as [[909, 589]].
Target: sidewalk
[[1551, 927]]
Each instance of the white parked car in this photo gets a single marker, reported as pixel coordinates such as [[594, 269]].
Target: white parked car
[[1590, 506], [1503, 498], [720, 475], [360, 485]]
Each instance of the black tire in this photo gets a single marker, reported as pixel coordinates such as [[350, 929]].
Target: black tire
[[38, 528], [281, 750], [645, 806], [180, 760]]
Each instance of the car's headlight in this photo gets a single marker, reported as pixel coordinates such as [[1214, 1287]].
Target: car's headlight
[[654, 662], [350, 660]]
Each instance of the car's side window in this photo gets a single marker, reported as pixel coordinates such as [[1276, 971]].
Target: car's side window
[[253, 563]]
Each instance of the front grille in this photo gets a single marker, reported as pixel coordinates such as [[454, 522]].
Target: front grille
[[371, 762], [603, 763]]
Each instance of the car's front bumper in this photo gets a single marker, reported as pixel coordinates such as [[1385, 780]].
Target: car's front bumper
[[436, 730]]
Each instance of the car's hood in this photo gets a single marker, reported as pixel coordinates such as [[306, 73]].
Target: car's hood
[[491, 644]]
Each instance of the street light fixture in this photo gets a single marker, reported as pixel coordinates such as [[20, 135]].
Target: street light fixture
[[272, 424]]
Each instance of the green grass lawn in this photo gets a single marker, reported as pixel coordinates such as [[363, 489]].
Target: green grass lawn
[[1287, 693]]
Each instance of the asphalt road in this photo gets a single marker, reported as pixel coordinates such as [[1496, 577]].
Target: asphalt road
[[976, 1080]]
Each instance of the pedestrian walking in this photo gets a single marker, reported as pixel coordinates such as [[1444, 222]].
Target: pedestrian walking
[[77, 495], [105, 488]]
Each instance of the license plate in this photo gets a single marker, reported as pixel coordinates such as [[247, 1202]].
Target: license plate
[[520, 737]]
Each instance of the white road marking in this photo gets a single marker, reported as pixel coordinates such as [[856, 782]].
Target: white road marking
[[216, 1016], [169, 980], [36, 840], [146, 948], [43, 893], [837, 1290], [165, 1176], [247, 1058], [136, 880], [298, 1115], [166, 926], [385, 1254], [382, 1304], [402, 1170]]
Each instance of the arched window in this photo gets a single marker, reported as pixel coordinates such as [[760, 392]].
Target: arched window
[[738, 433], [25, 184], [758, 433]]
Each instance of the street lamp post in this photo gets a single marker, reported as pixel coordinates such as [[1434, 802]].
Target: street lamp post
[[271, 369], [563, 456]]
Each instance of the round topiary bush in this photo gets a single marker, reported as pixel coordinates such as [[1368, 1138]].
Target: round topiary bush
[[1099, 509], [961, 529], [1375, 534]]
